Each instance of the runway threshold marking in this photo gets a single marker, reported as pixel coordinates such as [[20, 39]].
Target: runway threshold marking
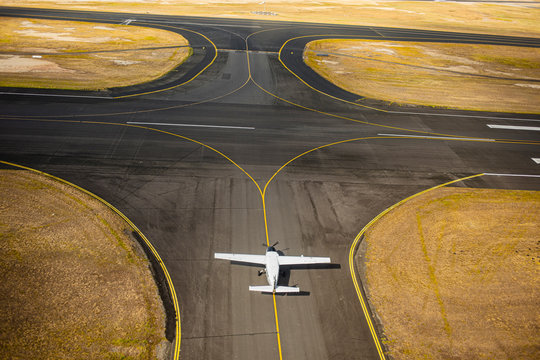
[[170, 284], [193, 125], [513, 127]]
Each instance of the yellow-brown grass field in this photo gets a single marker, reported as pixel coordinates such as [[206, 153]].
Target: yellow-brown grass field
[[455, 274], [78, 55], [460, 76], [74, 284]]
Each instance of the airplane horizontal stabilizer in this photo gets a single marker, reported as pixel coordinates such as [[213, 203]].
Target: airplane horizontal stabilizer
[[279, 289], [287, 289]]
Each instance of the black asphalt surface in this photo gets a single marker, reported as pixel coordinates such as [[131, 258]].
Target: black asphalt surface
[[191, 201]]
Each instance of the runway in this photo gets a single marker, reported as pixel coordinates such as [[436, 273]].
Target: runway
[[191, 157]]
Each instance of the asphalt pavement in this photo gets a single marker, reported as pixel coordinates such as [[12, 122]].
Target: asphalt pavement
[[190, 157]]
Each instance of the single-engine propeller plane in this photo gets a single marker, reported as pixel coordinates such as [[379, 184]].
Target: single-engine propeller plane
[[271, 261]]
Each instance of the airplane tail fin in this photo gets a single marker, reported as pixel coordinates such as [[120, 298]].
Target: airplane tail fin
[[279, 289]]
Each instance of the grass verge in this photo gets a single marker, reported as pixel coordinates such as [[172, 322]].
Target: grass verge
[[74, 55], [454, 274], [461, 76], [74, 283]]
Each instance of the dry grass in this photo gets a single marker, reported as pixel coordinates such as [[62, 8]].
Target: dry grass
[[454, 274], [502, 19], [73, 284], [432, 74], [62, 63]]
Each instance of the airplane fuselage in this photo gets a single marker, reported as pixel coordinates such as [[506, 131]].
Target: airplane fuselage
[[272, 267]]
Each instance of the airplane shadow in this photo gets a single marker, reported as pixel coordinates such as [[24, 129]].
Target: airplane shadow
[[285, 275]]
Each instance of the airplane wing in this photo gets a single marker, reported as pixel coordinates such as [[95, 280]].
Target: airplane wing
[[246, 258], [300, 260], [279, 289]]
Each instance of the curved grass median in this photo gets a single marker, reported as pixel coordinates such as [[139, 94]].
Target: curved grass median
[[74, 284], [36, 53], [460, 76], [455, 274]]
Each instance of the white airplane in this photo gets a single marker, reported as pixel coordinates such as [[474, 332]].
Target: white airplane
[[272, 260]]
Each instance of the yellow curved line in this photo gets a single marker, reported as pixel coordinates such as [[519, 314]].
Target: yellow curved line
[[262, 193], [89, 20], [387, 126], [334, 36], [37, 118], [178, 328], [355, 243], [311, 87], [175, 86], [179, 136]]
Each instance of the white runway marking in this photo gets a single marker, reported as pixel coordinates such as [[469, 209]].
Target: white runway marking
[[514, 127], [193, 125], [536, 160], [521, 175], [436, 137]]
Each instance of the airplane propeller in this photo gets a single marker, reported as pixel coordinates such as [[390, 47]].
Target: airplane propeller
[[277, 242]]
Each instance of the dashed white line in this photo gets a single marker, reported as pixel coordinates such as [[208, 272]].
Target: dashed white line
[[436, 137], [514, 127], [192, 125]]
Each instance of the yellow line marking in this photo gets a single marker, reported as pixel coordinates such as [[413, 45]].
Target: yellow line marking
[[311, 87], [185, 82], [338, 37], [261, 192], [387, 126], [277, 327], [355, 243], [143, 24], [178, 336], [263, 196]]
